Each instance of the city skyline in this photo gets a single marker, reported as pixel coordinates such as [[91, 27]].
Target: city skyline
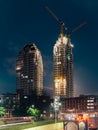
[[21, 23]]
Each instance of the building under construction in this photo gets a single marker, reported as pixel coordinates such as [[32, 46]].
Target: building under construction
[[63, 67], [63, 61], [29, 70]]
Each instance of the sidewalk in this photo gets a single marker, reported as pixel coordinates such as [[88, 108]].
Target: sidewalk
[[57, 126]]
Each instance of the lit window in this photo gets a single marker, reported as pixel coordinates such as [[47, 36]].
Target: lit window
[[26, 76], [18, 68], [44, 100], [58, 63], [90, 104], [90, 100]]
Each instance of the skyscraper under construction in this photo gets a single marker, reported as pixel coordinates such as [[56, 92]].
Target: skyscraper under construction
[[63, 62], [29, 69], [63, 67]]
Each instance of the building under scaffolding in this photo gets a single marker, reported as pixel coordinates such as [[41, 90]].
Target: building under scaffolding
[[63, 67], [29, 69]]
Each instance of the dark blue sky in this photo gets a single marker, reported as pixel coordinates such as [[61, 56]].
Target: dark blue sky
[[27, 21]]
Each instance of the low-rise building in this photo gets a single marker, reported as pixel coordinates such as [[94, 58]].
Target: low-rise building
[[9, 102], [83, 103]]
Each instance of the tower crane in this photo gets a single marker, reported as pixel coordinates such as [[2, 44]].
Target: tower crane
[[77, 28], [61, 23]]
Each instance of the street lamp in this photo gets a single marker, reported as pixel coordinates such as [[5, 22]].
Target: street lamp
[[56, 106]]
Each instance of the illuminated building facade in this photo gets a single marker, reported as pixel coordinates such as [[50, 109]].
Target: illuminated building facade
[[29, 70], [63, 67], [83, 103]]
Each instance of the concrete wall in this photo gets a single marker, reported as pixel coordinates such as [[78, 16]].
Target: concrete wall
[[56, 126]]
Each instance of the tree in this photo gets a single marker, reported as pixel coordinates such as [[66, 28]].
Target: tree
[[2, 111], [33, 112]]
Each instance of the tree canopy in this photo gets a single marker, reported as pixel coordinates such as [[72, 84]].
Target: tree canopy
[[2, 111], [33, 112]]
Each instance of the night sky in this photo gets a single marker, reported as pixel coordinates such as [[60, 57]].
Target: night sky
[[27, 21]]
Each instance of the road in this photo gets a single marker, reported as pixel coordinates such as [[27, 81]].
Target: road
[[9, 125]]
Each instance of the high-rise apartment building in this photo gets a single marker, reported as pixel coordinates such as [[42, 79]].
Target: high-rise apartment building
[[29, 70], [63, 67], [63, 61]]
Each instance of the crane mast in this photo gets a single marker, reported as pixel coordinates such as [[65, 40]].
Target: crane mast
[[61, 23]]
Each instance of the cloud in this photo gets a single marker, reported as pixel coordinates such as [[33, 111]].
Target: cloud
[[47, 64], [9, 62], [83, 81], [13, 47], [48, 71], [9, 65], [48, 90]]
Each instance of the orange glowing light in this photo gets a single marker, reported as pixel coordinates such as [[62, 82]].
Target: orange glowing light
[[81, 118]]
